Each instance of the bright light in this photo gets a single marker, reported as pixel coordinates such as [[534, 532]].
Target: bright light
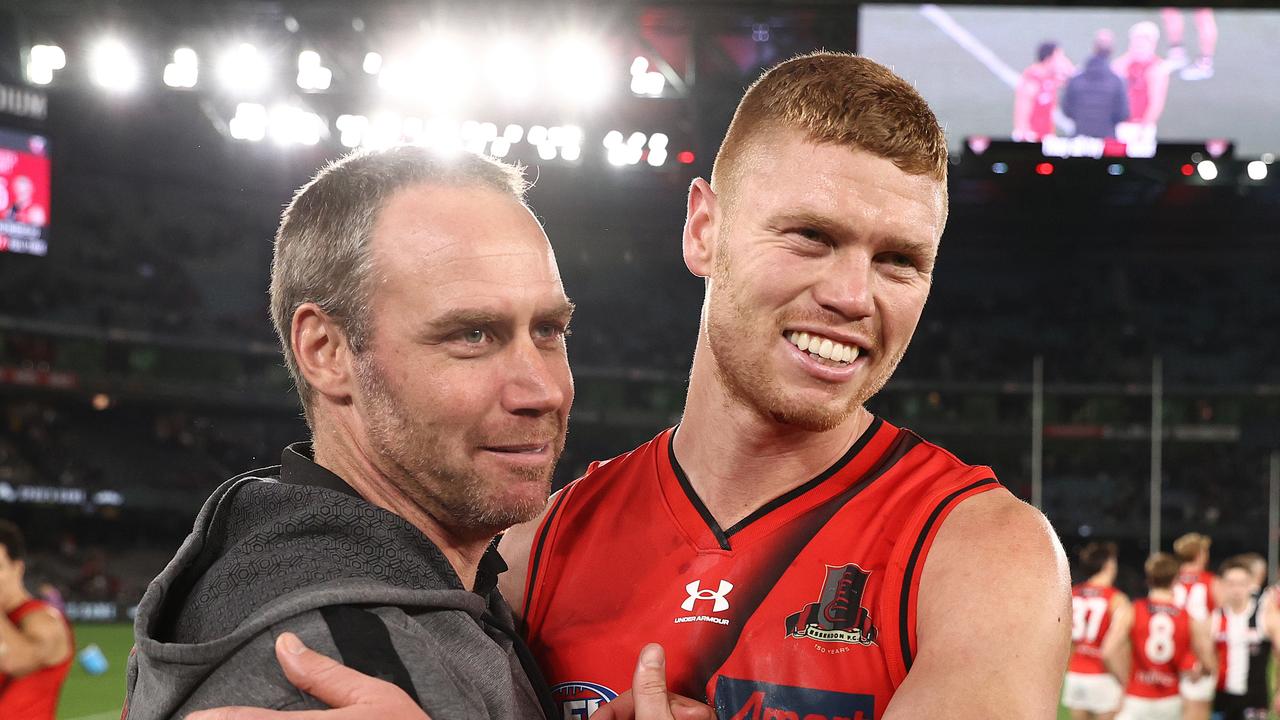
[[351, 129], [372, 63], [513, 134], [1044, 168], [184, 70], [579, 71], [249, 123], [1207, 169], [613, 138], [537, 135], [243, 70], [658, 141], [571, 152], [500, 148], [547, 151], [657, 157], [1000, 168], [1268, 158], [686, 156], [1257, 170], [289, 125], [510, 69], [438, 74], [113, 67], [385, 129], [644, 81], [312, 75], [42, 61], [1115, 169]]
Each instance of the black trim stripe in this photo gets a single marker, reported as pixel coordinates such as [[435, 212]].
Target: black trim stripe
[[903, 626], [530, 582], [722, 536], [365, 645]]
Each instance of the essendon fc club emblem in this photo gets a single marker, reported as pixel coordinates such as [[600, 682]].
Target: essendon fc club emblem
[[838, 616]]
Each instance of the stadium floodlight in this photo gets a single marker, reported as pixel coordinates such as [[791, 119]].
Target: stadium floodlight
[[644, 81], [1268, 158], [513, 134], [312, 74], [1208, 170], [184, 70], [289, 125], [112, 66], [351, 129], [43, 61], [537, 135], [385, 129], [511, 70], [249, 122], [579, 71], [243, 70], [1000, 168], [372, 63], [658, 141], [500, 148], [657, 156], [612, 139], [1257, 170], [571, 153]]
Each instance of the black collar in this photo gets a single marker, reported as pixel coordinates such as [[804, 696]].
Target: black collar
[[298, 467]]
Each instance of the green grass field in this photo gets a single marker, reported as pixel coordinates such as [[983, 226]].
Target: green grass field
[[86, 697]]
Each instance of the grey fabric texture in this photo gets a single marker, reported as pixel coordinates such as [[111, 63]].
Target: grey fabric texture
[[263, 557]]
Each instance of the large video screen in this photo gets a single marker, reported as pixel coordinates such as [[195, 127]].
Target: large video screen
[[1133, 76], [24, 193]]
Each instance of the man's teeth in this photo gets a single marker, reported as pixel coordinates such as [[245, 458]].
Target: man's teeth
[[824, 347]]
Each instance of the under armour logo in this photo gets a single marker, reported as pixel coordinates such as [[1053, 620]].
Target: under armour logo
[[696, 593]]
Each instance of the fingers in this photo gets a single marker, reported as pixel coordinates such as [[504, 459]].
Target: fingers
[[330, 681], [649, 685], [248, 713]]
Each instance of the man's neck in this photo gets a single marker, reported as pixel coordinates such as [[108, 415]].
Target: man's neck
[[1102, 579], [737, 460], [339, 453], [1162, 595], [12, 598]]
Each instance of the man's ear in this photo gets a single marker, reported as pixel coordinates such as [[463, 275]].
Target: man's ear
[[701, 225], [321, 351]]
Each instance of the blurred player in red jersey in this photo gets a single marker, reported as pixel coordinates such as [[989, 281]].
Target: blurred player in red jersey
[[1147, 77], [1091, 692], [1149, 644], [36, 645], [1207, 35], [1243, 642], [1037, 94], [794, 554], [1196, 589]]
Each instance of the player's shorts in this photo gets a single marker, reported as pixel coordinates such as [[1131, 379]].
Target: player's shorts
[[1092, 692], [1140, 708], [1201, 689]]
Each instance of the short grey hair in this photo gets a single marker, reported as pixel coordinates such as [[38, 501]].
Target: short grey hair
[[322, 252]]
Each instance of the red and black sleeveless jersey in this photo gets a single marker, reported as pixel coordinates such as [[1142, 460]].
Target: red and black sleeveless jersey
[[1091, 617], [1161, 640], [35, 696], [805, 608]]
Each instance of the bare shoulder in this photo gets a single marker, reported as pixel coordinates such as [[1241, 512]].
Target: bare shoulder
[[516, 548], [993, 618]]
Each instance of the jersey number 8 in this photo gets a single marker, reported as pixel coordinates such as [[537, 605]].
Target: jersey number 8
[[1159, 646]]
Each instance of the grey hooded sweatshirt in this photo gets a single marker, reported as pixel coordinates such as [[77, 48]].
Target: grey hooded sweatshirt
[[293, 548]]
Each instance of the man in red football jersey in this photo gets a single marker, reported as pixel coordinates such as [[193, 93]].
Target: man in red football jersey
[[793, 553], [36, 646], [1196, 589], [1090, 691], [1147, 78], [1149, 644], [1036, 96]]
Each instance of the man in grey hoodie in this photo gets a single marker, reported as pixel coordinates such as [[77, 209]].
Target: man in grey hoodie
[[422, 316]]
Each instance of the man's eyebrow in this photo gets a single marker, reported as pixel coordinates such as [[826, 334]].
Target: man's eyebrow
[[562, 310], [461, 317], [836, 229]]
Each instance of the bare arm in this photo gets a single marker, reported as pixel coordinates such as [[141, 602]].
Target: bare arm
[[979, 661], [1157, 93], [1023, 99], [38, 641], [1116, 653], [1202, 646]]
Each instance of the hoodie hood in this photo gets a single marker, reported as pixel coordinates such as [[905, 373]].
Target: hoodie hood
[[264, 550]]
